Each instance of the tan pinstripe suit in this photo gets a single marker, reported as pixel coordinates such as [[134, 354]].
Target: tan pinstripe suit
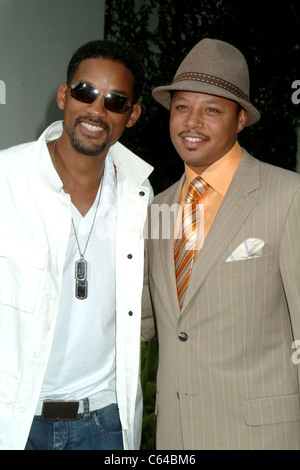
[[226, 379]]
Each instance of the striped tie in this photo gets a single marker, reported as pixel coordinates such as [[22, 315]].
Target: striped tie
[[186, 247]]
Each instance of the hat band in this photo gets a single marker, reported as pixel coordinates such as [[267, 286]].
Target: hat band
[[210, 79]]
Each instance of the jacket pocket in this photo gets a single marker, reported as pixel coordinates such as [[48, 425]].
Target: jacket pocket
[[8, 387], [21, 269], [272, 410]]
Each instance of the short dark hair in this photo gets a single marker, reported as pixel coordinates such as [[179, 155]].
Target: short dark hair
[[109, 50]]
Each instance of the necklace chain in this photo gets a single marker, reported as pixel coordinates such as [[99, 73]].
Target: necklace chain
[[96, 210]]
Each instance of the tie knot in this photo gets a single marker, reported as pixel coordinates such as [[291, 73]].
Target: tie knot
[[196, 190]]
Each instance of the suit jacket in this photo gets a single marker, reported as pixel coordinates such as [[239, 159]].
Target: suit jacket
[[226, 378]]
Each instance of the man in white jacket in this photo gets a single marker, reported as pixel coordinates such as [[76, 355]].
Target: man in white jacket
[[72, 210]]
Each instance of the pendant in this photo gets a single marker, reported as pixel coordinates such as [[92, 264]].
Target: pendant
[[81, 289], [81, 279]]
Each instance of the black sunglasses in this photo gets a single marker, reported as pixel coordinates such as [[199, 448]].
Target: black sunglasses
[[86, 93]]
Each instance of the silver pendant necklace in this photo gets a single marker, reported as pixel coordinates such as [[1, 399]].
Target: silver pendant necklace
[[81, 285]]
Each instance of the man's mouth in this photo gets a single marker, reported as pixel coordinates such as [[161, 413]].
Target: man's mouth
[[91, 127], [194, 139]]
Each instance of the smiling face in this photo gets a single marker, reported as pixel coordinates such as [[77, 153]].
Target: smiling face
[[204, 128], [90, 127]]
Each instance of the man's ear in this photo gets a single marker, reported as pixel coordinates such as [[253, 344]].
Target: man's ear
[[135, 114], [61, 95], [242, 119]]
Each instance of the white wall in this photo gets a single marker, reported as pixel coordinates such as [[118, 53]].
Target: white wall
[[37, 40]]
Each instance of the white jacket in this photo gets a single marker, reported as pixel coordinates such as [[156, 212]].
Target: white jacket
[[35, 217]]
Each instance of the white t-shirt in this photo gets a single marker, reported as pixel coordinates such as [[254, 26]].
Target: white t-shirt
[[82, 359]]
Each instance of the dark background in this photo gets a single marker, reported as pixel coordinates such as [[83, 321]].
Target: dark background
[[162, 33]]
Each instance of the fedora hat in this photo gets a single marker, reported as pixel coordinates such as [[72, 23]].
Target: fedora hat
[[215, 68]]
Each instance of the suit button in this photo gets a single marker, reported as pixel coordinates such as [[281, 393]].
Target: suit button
[[21, 408], [183, 336]]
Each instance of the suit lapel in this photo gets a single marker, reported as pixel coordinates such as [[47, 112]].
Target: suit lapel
[[167, 248], [236, 207]]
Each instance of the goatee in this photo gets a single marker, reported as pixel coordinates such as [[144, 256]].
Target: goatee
[[89, 148]]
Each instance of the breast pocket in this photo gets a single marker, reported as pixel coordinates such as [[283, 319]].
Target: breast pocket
[[22, 265], [266, 260]]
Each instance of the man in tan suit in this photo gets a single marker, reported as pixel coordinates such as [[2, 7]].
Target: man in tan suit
[[226, 377]]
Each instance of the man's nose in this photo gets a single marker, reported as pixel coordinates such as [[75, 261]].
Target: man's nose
[[195, 119], [97, 107]]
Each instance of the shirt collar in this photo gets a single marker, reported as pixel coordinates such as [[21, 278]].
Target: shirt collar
[[129, 165], [220, 173], [44, 163]]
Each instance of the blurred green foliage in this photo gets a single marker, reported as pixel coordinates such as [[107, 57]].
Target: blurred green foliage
[[149, 360]]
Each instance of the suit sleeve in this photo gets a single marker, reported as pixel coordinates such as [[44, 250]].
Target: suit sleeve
[[148, 324]]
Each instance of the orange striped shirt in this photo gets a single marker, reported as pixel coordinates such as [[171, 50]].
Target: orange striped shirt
[[219, 176]]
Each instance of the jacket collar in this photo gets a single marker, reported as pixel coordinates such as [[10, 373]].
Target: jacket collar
[[129, 166], [44, 166], [236, 207], [247, 173], [238, 204]]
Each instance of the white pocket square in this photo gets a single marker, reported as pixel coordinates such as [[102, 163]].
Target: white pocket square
[[250, 248]]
